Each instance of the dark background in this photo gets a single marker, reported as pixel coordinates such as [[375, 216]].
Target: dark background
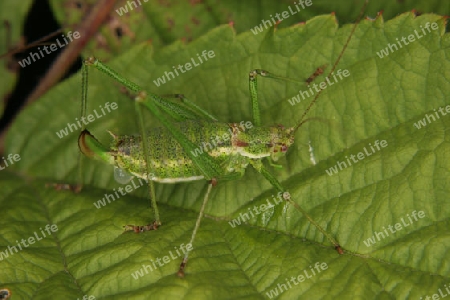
[[39, 23]]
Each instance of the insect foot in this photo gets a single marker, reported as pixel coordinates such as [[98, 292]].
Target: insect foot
[[76, 188], [138, 229], [180, 272]]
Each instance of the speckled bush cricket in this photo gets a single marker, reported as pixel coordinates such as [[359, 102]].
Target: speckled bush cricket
[[167, 154]]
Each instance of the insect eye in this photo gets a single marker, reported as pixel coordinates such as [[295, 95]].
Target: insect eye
[[284, 148]]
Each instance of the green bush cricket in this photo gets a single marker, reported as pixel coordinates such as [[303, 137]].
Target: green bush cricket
[[168, 154]]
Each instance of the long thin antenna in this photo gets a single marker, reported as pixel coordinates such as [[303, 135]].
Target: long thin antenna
[[301, 122]]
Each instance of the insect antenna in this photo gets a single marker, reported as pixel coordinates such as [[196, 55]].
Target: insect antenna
[[301, 120]]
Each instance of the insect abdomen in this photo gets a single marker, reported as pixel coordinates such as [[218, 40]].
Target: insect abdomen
[[167, 159]]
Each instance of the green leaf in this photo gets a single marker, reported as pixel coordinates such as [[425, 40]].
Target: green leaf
[[163, 22], [382, 99]]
